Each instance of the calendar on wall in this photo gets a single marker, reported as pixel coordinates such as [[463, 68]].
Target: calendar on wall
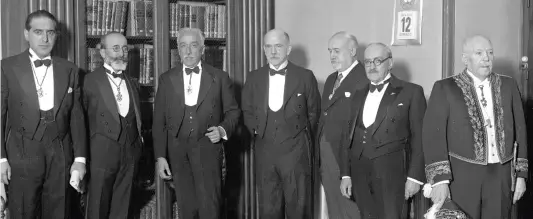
[[407, 23]]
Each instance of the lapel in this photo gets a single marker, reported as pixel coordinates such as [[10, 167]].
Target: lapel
[[134, 96], [262, 88], [61, 82], [291, 83], [346, 83], [24, 73], [176, 78], [107, 93], [390, 95], [206, 80], [357, 107]]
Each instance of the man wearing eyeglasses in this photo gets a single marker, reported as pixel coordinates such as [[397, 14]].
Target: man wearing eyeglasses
[[111, 104], [382, 152], [195, 111], [43, 128]]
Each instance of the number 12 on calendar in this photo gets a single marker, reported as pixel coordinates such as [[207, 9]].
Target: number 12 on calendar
[[407, 25]]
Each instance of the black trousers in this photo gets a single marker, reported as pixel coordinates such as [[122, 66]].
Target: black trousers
[[40, 172], [113, 167], [196, 169], [378, 185], [482, 191], [283, 177]]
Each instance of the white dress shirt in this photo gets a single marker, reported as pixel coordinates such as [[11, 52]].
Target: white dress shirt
[[347, 71], [116, 85], [276, 88], [45, 76], [192, 82], [488, 115]]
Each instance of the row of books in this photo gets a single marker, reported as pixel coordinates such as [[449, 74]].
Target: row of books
[[213, 55], [210, 18], [135, 17]]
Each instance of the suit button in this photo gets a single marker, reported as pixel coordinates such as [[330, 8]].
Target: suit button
[[393, 120], [101, 114], [300, 106], [190, 117], [364, 136], [325, 113], [364, 142], [21, 103], [106, 123], [109, 130], [22, 117], [365, 131]]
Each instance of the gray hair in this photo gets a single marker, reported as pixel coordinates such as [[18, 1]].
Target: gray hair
[[348, 36], [196, 31], [387, 49], [468, 41], [103, 39]]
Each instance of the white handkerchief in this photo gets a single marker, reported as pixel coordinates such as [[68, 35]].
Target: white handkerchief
[[401, 104], [299, 94], [75, 180], [347, 94], [69, 90]]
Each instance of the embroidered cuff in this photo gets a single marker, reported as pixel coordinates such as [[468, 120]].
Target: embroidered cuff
[[521, 165], [437, 168]]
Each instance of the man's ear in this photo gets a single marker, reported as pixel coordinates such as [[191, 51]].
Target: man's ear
[[289, 49], [26, 34]]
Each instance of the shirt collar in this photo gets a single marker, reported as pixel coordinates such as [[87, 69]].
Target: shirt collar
[[381, 82], [282, 66], [199, 66], [349, 69], [34, 57], [476, 80]]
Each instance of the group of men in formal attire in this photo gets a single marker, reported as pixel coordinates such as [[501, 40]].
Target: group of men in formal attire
[[371, 135]]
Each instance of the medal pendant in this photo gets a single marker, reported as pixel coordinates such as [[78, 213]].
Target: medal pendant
[[40, 92], [119, 97], [189, 89]]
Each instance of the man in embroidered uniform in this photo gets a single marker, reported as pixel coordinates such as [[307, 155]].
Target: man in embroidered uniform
[[194, 110], [382, 152], [472, 123], [349, 77], [281, 104], [111, 104], [43, 128]]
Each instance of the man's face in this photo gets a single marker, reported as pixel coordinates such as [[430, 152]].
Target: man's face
[[190, 49], [115, 52], [377, 63], [479, 57], [41, 36], [276, 48], [340, 53]]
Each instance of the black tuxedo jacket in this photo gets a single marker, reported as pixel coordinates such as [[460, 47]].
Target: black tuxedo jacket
[[101, 107], [398, 125], [453, 125], [335, 111], [20, 104], [301, 101], [216, 105]]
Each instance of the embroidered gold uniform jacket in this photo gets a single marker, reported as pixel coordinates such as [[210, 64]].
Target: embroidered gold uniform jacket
[[453, 125]]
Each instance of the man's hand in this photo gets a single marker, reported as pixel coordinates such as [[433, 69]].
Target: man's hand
[[214, 134], [80, 167], [5, 171], [411, 188], [520, 189], [163, 169], [439, 193], [346, 187]]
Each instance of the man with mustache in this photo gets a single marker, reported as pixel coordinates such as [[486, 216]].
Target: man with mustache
[[382, 152], [336, 98], [43, 128], [471, 126], [281, 104], [195, 111], [111, 103]]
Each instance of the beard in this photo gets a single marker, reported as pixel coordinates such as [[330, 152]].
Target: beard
[[117, 63]]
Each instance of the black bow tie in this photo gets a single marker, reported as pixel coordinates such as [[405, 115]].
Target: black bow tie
[[115, 75], [379, 87], [39, 62], [196, 70], [281, 72]]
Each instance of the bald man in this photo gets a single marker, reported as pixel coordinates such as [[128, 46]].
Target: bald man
[[473, 120], [111, 103], [382, 152], [281, 104], [349, 76]]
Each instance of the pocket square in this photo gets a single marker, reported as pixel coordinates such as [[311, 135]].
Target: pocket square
[[392, 93], [69, 90], [347, 94], [299, 94], [401, 104]]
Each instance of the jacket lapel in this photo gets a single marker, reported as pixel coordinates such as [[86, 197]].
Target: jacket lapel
[[357, 107], [176, 78], [346, 85], [25, 76], [206, 81], [291, 83], [61, 83], [107, 93], [388, 98], [263, 88], [134, 96]]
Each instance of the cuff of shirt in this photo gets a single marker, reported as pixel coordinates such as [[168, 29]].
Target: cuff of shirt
[[416, 181], [223, 133], [441, 182], [346, 177], [3, 160], [80, 159]]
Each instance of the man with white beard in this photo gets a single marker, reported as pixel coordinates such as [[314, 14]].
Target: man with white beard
[[111, 102]]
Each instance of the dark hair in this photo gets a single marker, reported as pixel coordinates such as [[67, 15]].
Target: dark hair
[[38, 14]]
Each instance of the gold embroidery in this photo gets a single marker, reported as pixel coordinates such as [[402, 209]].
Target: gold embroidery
[[437, 168], [495, 83], [450, 214], [521, 165]]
